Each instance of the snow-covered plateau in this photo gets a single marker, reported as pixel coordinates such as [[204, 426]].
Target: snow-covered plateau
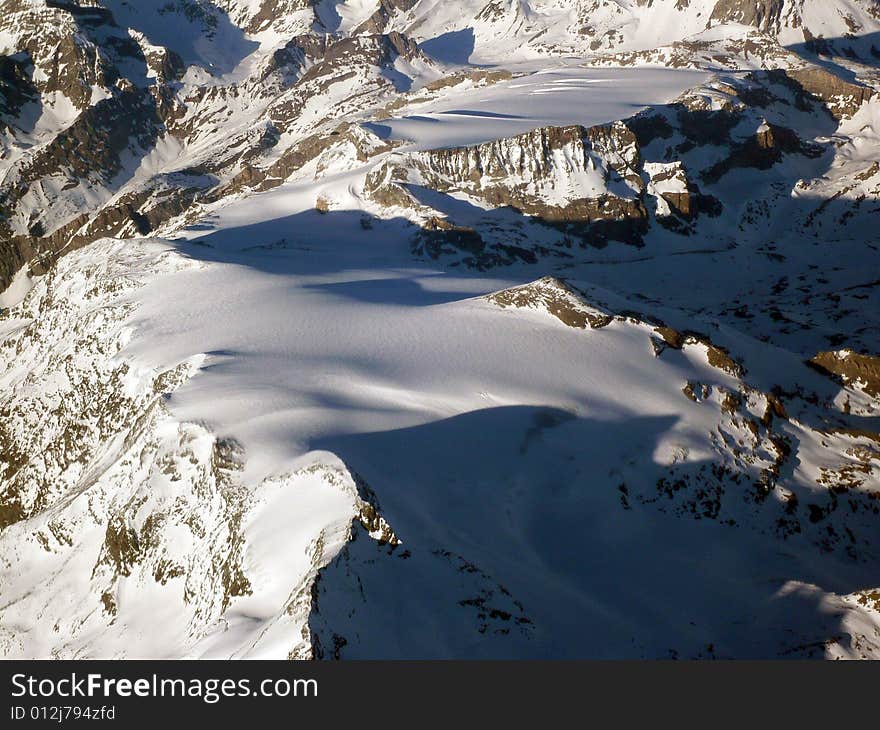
[[422, 329]]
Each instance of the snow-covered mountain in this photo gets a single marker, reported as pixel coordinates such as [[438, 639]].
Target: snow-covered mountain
[[408, 328]]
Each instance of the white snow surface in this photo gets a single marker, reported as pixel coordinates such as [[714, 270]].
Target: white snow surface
[[496, 439], [309, 349], [553, 93], [17, 290]]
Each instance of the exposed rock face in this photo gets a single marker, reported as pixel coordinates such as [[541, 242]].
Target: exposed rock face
[[762, 151], [90, 151], [384, 186], [82, 183], [841, 97], [763, 14], [852, 369], [556, 298], [669, 182], [549, 172], [370, 50], [560, 175], [272, 13], [16, 88], [438, 234], [385, 13]]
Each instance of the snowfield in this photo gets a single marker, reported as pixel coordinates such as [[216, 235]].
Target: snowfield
[[496, 439], [538, 95], [443, 333]]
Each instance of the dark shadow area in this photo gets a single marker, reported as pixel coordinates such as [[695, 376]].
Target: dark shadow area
[[312, 243], [864, 49], [461, 211], [401, 81], [384, 131], [277, 245], [398, 291], [200, 33], [479, 113], [328, 17], [453, 47], [530, 532], [21, 105]]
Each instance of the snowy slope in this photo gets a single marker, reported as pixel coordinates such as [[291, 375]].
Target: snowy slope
[[419, 329]]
